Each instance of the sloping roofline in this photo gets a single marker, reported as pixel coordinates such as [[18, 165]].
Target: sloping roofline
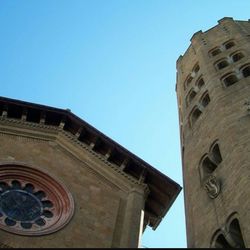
[[162, 190]]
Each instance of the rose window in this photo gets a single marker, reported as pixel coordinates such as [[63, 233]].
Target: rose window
[[22, 205], [32, 202]]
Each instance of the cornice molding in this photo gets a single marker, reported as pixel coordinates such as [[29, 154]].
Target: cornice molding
[[47, 123], [21, 130]]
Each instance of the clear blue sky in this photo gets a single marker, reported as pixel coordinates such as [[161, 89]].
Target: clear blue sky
[[113, 64]]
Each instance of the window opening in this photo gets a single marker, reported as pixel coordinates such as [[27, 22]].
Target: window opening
[[231, 79]]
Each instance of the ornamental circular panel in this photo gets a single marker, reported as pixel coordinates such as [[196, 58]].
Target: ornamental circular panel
[[32, 202]]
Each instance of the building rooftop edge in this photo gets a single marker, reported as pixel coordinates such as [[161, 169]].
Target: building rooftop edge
[[160, 180], [201, 32]]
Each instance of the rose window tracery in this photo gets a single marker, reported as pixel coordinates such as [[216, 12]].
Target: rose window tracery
[[32, 202]]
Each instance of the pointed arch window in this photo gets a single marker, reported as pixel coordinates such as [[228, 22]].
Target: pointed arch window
[[188, 80], [215, 150], [191, 95], [196, 68], [230, 236], [230, 79], [215, 51], [210, 161], [229, 44], [220, 242], [222, 64], [195, 114], [237, 56], [245, 70], [235, 233], [207, 166], [205, 99], [200, 83]]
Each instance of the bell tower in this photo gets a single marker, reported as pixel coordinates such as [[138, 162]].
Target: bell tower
[[213, 94]]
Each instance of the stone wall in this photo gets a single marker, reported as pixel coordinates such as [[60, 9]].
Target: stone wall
[[107, 205], [221, 119]]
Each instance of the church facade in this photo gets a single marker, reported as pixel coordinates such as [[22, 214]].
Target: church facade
[[63, 183]]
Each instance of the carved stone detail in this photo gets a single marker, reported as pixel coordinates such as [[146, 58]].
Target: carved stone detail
[[212, 186]]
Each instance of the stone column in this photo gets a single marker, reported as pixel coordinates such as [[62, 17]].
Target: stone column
[[133, 219]]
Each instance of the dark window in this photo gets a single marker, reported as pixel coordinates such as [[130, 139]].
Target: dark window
[[200, 83], [189, 80], [196, 68], [231, 239], [190, 96], [221, 242], [236, 235], [246, 71], [230, 80], [236, 57], [229, 44], [215, 52], [216, 154], [195, 115], [222, 64], [208, 166], [205, 100], [210, 162]]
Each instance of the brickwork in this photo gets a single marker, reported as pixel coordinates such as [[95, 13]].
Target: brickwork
[[223, 119]]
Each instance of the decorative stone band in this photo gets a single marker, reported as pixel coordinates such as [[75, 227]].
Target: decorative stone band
[[212, 186], [32, 202]]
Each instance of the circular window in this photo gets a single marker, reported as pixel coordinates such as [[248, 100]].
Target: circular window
[[32, 202]]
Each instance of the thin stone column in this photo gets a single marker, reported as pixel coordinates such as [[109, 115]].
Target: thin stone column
[[133, 219]]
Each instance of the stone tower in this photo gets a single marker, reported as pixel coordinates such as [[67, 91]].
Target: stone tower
[[213, 92], [63, 183]]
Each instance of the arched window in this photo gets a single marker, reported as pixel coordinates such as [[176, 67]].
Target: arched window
[[215, 151], [210, 161], [235, 234], [220, 242], [231, 236], [230, 79], [222, 64], [208, 166], [195, 114], [205, 99], [188, 80], [237, 56], [190, 96], [245, 70], [196, 68], [215, 51], [229, 44], [200, 83]]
